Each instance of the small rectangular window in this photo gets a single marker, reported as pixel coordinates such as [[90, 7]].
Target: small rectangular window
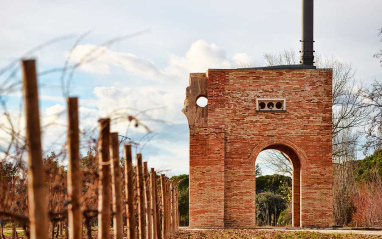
[[269, 105]]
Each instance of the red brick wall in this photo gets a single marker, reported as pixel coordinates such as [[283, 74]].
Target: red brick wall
[[228, 134]]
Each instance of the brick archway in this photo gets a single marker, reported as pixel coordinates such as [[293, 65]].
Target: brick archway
[[242, 112], [296, 156]]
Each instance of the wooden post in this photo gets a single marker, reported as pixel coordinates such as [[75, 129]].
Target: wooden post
[[136, 198], [158, 202], [37, 203], [74, 171], [14, 232], [173, 209], [168, 195], [129, 188], [153, 204], [177, 209], [104, 180], [61, 228], [116, 187], [66, 231], [141, 199], [169, 207], [164, 206], [149, 219]]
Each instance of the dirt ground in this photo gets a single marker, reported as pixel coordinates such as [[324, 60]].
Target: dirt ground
[[279, 233], [262, 233]]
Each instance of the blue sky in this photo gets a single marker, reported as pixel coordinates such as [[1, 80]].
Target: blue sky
[[150, 71]]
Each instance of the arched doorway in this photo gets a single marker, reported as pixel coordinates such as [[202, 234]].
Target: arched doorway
[[296, 175]]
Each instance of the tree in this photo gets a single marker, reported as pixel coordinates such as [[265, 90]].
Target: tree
[[13, 195], [278, 162], [277, 189], [273, 183], [368, 173], [183, 198], [56, 185], [379, 54], [369, 168], [368, 191], [268, 208], [258, 171], [287, 57], [89, 169], [373, 97]]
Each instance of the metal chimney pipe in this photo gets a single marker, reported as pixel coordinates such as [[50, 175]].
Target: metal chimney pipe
[[307, 57]]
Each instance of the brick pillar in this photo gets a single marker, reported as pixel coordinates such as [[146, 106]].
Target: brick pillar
[[296, 197]]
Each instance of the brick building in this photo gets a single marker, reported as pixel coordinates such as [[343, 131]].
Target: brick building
[[287, 108]]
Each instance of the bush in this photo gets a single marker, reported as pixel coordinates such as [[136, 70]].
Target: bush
[[285, 218]]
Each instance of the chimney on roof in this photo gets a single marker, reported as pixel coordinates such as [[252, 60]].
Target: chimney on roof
[[307, 57]]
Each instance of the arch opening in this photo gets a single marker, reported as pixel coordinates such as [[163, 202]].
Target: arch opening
[[278, 186]]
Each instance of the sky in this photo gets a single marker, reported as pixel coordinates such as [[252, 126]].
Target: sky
[[162, 42]]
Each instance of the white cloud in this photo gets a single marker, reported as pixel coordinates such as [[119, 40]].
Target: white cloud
[[242, 60], [176, 160], [200, 57], [149, 103], [99, 59]]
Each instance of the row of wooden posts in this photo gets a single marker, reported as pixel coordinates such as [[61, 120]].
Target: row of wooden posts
[[157, 210]]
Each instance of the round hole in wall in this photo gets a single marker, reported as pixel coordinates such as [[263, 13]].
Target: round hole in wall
[[262, 105], [202, 101], [270, 105], [279, 105]]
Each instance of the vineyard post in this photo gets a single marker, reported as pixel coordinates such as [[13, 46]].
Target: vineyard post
[[168, 195], [38, 206], [173, 205], [129, 190], [74, 171], [104, 180], [153, 203], [158, 202], [14, 232], [149, 219], [172, 208], [136, 198], [116, 187], [61, 228], [164, 214], [141, 199], [177, 209]]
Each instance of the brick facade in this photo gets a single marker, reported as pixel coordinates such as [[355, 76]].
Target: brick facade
[[227, 135]]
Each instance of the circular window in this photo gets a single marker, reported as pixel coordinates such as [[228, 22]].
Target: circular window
[[262, 105], [279, 105], [270, 105], [202, 101]]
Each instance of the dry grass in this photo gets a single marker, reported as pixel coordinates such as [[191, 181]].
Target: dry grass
[[262, 234]]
